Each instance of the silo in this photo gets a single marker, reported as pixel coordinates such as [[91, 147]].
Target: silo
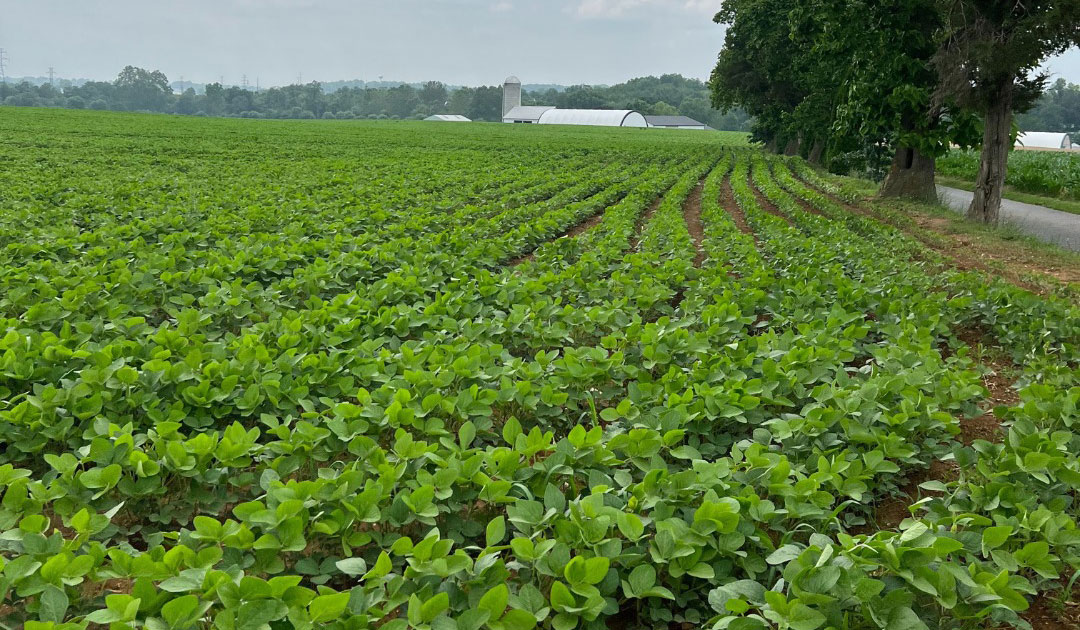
[[511, 94]]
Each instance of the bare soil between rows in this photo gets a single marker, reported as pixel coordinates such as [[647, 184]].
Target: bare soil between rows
[[694, 224]]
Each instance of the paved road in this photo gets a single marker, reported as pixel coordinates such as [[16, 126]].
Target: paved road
[[1046, 224]]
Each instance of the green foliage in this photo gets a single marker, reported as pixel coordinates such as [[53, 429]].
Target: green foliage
[[261, 376], [1055, 174]]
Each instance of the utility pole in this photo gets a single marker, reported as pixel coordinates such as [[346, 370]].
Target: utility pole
[[256, 85]]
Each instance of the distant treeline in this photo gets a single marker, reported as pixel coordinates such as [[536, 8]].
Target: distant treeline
[[1057, 110], [136, 89]]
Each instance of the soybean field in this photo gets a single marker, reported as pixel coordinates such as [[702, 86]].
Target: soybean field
[[347, 375]]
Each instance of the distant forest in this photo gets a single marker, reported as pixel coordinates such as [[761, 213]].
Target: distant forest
[[136, 89]]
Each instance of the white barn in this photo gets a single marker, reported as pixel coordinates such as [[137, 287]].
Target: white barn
[[1043, 140], [593, 117], [675, 122], [528, 114]]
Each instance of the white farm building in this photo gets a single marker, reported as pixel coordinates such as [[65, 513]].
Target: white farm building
[[529, 114], [1043, 140], [447, 118], [675, 122], [515, 112]]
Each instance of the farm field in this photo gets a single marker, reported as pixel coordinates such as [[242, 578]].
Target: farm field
[[262, 374], [1053, 174]]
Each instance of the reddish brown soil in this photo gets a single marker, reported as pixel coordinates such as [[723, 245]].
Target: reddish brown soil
[[1048, 613], [891, 512], [692, 216], [727, 200]]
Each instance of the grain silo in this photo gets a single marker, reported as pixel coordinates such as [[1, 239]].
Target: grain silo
[[511, 94]]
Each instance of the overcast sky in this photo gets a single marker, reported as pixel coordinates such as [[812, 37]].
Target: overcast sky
[[468, 42]]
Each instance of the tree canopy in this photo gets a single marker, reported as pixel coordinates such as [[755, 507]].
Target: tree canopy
[[853, 82]]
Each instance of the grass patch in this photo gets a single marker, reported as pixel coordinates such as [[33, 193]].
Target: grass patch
[[1065, 205]]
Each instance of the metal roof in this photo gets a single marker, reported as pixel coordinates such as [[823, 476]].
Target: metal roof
[[596, 117], [526, 112], [448, 118], [1044, 140], [673, 121], [512, 80]]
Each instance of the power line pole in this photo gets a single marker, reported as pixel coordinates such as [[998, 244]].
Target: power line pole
[[256, 85], [3, 63], [243, 82], [52, 75]]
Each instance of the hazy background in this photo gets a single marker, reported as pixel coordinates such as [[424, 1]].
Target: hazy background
[[463, 42]]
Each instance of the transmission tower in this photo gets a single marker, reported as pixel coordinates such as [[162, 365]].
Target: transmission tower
[[243, 82], [256, 85], [3, 65], [52, 75]]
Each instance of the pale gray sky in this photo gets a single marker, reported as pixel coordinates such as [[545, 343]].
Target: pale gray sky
[[469, 42]]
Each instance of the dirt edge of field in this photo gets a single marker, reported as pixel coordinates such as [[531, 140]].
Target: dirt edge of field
[[960, 251]]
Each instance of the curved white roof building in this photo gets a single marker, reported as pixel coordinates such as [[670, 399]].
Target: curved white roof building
[[593, 117], [1043, 140], [525, 114]]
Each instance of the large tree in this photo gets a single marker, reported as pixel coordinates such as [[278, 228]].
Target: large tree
[[881, 52], [140, 89], [755, 69], [989, 60], [842, 78]]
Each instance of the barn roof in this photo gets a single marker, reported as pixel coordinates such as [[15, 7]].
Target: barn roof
[[526, 112], [1043, 140], [448, 118], [673, 121], [596, 117]]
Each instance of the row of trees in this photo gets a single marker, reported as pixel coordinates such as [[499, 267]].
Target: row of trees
[[136, 89], [848, 82]]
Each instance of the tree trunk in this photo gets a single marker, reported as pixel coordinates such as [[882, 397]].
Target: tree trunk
[[911, 176], [770, 146], [994, 161], [792, 147], [816, 152]]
